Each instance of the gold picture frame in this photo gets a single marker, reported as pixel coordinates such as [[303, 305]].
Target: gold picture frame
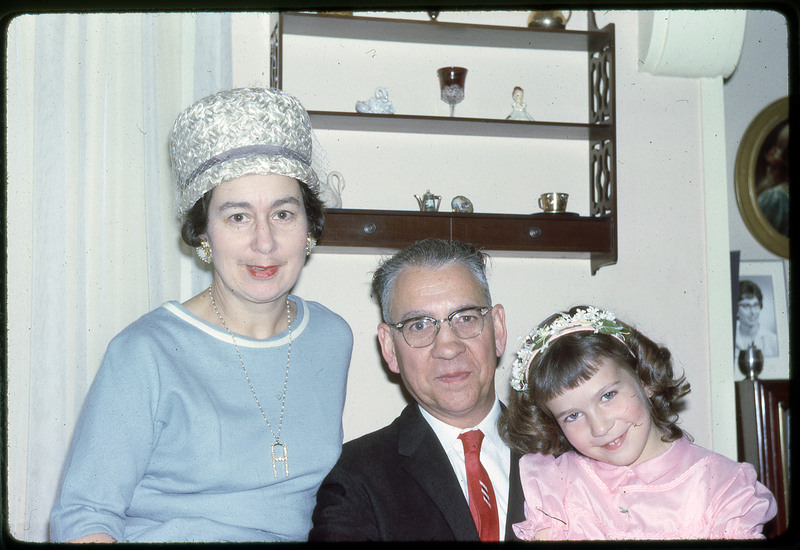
[[761, 177]]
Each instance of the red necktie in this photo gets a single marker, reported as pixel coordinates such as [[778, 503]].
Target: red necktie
[[482, 503]]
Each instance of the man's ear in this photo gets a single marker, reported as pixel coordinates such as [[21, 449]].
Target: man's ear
[[387, 347], [500, 333]]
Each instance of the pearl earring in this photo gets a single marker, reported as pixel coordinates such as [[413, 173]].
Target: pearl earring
[[204, 252]]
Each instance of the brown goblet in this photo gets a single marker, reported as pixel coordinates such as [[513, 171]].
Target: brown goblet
[[451, 82]]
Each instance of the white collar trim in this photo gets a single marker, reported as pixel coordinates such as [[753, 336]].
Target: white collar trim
[[215, 332]]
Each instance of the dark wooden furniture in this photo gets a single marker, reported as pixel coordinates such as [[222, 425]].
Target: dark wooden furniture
[[762, 409], [593, 236], [539, 235]]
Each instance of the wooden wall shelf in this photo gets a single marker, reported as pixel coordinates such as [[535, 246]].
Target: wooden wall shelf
[[593, 237], [458, 126], [536, 235], [442, 34]]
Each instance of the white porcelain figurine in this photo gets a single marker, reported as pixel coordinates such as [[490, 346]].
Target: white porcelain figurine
[[518, 108], [331, 190], [379, 104]]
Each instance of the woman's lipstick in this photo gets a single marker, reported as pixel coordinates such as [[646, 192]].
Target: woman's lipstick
[[262, 272]]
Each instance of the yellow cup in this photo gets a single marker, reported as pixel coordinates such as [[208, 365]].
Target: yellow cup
[[553, 202]]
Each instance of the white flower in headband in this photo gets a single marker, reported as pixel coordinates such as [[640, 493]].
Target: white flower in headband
[[591, 318]]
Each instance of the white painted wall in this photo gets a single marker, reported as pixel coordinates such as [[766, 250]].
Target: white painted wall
[[660, 280], [761, 77]]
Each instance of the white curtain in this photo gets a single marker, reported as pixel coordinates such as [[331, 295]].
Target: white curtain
[[92, 236]]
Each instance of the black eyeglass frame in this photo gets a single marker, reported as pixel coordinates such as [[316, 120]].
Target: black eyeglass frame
[[482, 310]]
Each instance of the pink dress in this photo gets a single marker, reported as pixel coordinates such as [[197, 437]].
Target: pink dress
[[687, 492]]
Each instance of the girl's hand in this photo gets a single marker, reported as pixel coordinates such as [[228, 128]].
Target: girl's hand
[[542, 535]]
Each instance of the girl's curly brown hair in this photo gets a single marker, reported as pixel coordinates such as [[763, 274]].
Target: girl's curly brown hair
[[528, 426]]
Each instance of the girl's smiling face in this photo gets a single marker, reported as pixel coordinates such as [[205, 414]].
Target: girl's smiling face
[[607, 418]]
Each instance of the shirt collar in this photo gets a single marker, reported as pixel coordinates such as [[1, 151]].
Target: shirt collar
[[647, 472], [448, 434]]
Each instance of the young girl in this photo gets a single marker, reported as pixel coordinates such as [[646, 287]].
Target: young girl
[[595, 409]]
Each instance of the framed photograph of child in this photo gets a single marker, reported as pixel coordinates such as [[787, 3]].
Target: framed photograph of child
[[761, 177], [762, 315]]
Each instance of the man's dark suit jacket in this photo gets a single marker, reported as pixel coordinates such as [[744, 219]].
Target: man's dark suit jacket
[[397, 484]]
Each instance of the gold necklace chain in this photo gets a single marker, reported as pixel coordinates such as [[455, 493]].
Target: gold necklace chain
[[283, 456]]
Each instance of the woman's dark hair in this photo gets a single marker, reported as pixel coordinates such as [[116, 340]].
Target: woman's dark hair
[[195, 222], [568, 361], [748, 289]]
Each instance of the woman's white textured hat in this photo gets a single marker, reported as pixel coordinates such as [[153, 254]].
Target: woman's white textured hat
[[236, 133]]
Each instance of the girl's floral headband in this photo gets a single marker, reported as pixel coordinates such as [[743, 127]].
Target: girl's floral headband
[[538, 339]]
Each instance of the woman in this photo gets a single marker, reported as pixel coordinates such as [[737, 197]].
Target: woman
[[217, 419], [750, 329]]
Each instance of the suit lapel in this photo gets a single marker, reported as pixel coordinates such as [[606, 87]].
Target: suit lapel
[[516, 498], [426, 461]]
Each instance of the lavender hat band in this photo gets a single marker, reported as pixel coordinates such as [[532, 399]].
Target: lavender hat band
[[246, 151]]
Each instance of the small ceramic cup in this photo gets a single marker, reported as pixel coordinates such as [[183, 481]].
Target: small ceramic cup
[[553, 202]]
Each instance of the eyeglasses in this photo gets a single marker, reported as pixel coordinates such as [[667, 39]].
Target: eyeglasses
[[749, 306], [420, 332]]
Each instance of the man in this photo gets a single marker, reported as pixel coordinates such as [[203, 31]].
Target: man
[[419, 478]]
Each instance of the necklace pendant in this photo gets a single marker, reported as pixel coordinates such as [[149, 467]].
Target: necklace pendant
[[282, 457]]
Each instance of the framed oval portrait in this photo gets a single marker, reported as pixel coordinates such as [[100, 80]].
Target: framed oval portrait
[[761, 177]]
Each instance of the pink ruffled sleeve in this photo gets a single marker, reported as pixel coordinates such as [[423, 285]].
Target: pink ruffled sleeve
[[544, 485], [742, 508]]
